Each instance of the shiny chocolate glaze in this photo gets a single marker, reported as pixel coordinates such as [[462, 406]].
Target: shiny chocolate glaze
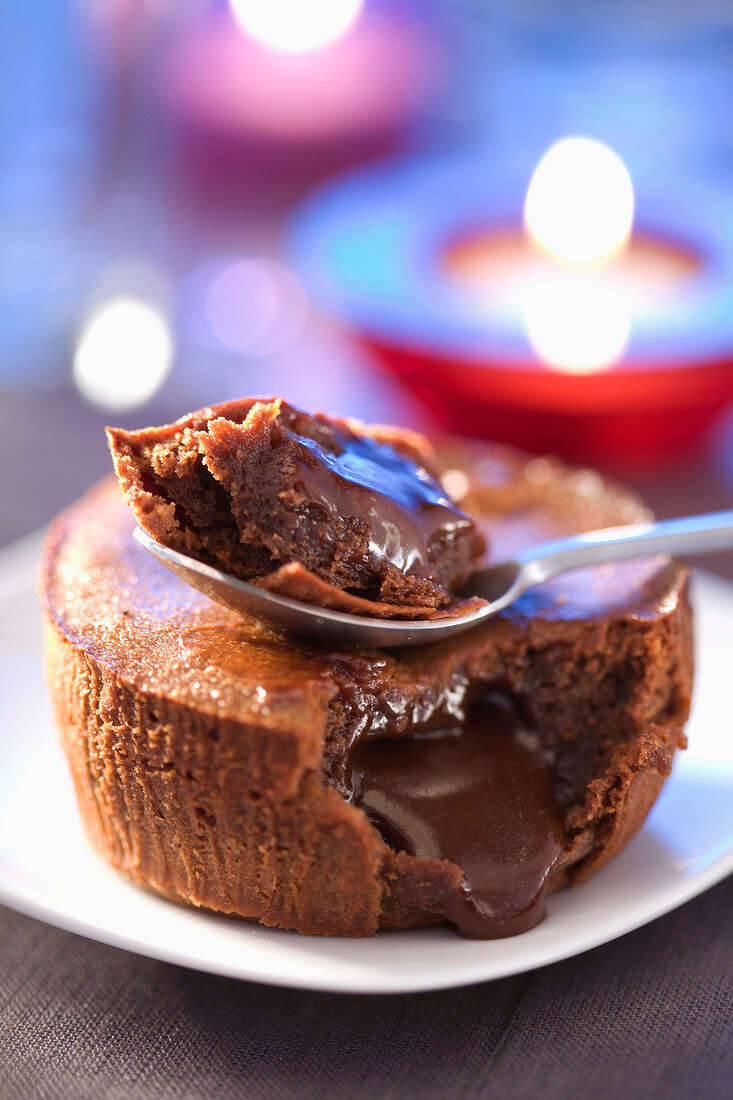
[[404, 508], [479, 796]]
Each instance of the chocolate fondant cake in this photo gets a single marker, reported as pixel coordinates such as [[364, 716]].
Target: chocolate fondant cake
[[332, 791], [318, 508]]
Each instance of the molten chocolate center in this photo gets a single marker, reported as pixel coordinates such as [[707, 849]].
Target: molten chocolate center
[[405, 509], [474, 795]]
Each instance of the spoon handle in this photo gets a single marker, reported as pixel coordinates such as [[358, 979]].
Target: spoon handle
[[687, 535]]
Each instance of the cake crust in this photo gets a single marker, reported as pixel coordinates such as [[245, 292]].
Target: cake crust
[[209, 753]]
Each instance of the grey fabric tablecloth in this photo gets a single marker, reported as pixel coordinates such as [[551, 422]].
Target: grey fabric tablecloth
[[646, 1016]]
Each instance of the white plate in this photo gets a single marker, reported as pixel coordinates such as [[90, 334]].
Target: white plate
[[48, 871]]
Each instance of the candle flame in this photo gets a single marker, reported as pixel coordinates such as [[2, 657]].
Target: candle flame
[[580, 202], [579, 211], [295, 26]]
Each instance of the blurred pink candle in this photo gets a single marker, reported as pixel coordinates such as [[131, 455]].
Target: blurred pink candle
[[348, 97]]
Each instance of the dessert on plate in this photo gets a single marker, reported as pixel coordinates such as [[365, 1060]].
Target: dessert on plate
[[340, 791]]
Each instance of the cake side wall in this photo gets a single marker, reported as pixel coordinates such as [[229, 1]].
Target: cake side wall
[[181, 806]]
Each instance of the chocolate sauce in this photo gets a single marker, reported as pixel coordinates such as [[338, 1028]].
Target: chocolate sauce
[[405, 509], [474, 795]]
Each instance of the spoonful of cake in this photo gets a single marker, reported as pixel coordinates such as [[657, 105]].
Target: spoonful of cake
[[324, 527]]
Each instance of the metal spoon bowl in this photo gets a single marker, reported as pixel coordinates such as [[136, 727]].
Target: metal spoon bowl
[[499, 584]]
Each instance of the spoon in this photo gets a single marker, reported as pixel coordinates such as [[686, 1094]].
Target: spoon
[[500, 584]]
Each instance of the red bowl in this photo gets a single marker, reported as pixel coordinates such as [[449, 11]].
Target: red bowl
[[632, 419], [371, 248]]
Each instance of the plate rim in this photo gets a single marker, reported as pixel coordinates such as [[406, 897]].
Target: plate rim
[[376, 986]]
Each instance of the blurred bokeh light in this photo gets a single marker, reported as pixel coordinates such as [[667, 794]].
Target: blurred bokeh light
[[123, 355], [256, 306], [577, 325]]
